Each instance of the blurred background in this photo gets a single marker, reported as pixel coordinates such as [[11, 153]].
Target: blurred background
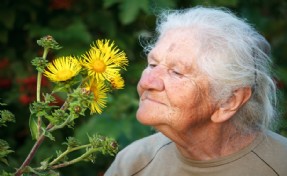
[[75, 24]]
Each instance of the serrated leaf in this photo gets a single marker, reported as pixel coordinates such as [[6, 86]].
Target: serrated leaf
[[45, 163], [41, 113], [4, 151], [48, 134], [34, 126], [4, 160], [51, 119], [41, 173]]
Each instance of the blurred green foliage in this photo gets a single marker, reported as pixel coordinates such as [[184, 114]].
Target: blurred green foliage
[[75, 24]]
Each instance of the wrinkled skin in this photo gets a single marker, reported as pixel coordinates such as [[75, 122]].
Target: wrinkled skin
[[175, 99]]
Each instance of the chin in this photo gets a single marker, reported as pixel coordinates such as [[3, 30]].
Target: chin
[[144, 118]]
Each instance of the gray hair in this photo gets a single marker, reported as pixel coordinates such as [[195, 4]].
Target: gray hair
[[233, 55]]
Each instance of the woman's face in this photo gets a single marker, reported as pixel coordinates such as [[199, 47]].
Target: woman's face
[[174, 94]]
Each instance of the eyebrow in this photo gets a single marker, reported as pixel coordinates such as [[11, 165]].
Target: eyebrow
[[184, 67], [188, 68], [151, 56]]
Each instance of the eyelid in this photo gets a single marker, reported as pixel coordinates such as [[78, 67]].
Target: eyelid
[[177, 73], [152, 63]]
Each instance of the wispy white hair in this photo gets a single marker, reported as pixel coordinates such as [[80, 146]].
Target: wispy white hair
[[233, 55]]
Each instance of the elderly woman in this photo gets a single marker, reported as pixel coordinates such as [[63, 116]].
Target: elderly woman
[[208, 92]]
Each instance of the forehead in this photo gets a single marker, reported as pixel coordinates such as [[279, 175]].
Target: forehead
[[176, 46]]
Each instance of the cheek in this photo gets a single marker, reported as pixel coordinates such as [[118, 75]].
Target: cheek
[[189, 100], [183, 96], [152, 114]]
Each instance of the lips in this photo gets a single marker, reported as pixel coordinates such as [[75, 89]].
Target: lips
[[152, 99]]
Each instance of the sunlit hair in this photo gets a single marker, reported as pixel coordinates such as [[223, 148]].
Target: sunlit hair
[[233, 55]]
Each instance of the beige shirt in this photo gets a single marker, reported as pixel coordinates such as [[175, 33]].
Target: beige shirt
[[157, 155]]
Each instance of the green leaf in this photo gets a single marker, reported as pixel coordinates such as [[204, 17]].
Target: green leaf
[[51, 119], [4, 151], [72, 142], [40, 63], [6, 174], [6, 116], [130, 10], [48, 134], [34, 126], [41, 173], [4, 160], [45, 163], [108, 3], [48, 42]]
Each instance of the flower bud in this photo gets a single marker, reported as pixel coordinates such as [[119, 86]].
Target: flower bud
[[77, 109], [85, 91], [114, 145]]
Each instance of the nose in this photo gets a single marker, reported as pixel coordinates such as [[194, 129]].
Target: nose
[[152, 79]]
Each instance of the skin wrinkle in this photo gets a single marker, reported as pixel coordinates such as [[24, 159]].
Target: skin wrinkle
[[196, 91], [175, 98], [171, 47], [198, 95]]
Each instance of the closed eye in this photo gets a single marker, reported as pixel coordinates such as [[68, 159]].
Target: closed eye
[[176, 73], [151, 65]]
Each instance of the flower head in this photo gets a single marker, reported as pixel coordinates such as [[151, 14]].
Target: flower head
[[119, 57], [100, 95], [62, 69], [104, 60], [117, 82]]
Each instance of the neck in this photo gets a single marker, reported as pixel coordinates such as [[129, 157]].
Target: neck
[[217, 141]]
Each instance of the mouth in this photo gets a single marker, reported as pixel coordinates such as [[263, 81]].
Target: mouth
[[151, 100]]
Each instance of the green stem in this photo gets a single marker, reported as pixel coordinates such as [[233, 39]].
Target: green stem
[[61, 125], [42, 137], [39, 81], [39, 77], [76, 160], [69, 150]]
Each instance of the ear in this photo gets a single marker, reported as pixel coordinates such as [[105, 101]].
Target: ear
[[231, 106]]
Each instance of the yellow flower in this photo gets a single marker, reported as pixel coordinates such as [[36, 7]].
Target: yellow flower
[[118, 57], [100, 95], [117, 82], [62, 69], [104, 60]]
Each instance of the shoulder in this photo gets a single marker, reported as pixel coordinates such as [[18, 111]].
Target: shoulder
[[273, 142], [137, 155], [273, 151], [145, 147], [150, 142]]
